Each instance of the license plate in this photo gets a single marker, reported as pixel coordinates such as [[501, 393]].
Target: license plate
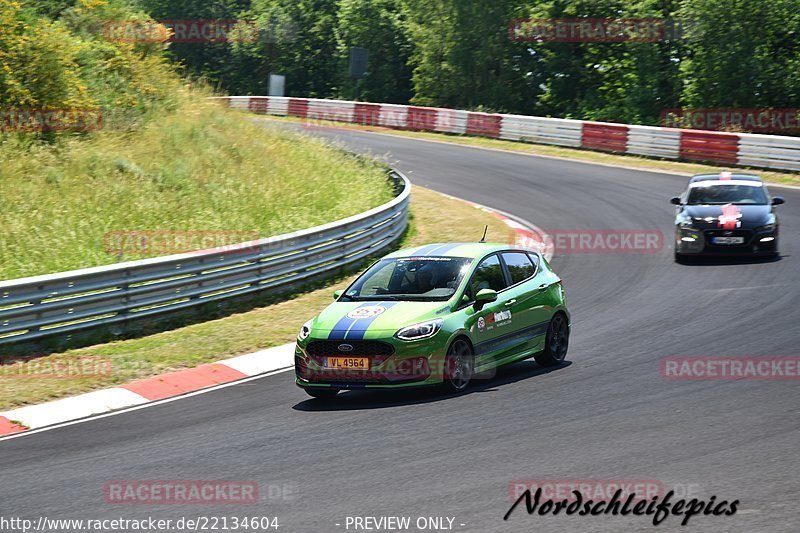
[[347, 363], [728, 240]]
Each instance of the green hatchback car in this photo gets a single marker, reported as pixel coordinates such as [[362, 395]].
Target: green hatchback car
[[435, 315]]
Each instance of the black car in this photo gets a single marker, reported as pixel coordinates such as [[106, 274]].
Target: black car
[[726, 214]]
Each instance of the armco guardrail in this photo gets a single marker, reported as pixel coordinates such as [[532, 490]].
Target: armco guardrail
[[67, 302], [766, 151]]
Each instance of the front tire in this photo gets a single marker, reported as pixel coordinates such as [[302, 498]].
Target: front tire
[[322, 394], [556, 342], [459, 365]]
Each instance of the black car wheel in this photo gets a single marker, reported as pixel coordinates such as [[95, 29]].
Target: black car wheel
[[556, 342], [459, 365]]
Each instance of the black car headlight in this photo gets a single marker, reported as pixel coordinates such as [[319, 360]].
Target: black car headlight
[[423, 330], [770, 226]]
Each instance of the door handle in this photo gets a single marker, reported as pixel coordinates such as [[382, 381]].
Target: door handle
[[543, 286], [510, 303]]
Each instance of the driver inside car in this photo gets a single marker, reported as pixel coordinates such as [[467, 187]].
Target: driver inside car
[[425, 279]]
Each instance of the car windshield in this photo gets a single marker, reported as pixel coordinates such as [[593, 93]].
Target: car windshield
[[727, 194], [410, 278]]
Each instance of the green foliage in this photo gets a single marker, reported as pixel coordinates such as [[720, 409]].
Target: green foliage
[[462, 55], [742, 53], [298, 40], [624, 82], [166, 157], [379, 26], [69, 64], [457, 53], [212, 61], [450, 53], [38, 62]]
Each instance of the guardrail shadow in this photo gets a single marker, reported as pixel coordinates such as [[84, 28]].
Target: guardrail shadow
[[364, 399]]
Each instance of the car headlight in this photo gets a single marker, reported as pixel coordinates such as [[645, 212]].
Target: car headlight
[[423, 330], [305, 331], [771, 224], [685, 221]]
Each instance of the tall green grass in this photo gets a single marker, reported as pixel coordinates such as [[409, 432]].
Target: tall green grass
[[197, 166]]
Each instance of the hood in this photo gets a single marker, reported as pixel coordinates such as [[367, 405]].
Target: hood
[[728, 216], [357, 320]]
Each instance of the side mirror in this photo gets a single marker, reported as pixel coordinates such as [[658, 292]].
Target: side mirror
[[778, 200], [675, 200], [485, 296], [337, 294]]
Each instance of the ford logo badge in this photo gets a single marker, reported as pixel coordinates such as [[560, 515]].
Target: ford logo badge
[[345, 348]]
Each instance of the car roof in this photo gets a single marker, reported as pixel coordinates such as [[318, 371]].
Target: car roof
[[455, 249], [723, 176]]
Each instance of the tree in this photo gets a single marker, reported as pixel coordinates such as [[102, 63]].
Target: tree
[[298, 40], [462, 55], [742, 53], [380, 27], [626, 81]]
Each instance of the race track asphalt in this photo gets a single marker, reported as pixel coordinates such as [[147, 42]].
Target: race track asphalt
[[607, 414]]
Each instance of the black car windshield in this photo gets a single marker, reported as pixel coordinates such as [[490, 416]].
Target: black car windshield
[[729, 193], [410, 278]]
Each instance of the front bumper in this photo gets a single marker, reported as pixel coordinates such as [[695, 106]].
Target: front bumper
[[396, 364], [691, 241]]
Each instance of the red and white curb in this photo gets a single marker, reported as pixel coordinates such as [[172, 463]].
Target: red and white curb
[[145, 391], [203, 378]]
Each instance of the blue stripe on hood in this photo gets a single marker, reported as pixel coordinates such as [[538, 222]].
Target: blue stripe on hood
[[344, 323], [354, 328]]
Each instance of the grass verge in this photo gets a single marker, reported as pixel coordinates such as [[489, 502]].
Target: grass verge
[[619, 161], [105, 365], [197, 176]]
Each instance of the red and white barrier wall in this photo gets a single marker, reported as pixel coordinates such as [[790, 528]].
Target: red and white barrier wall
[[765, 151]]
